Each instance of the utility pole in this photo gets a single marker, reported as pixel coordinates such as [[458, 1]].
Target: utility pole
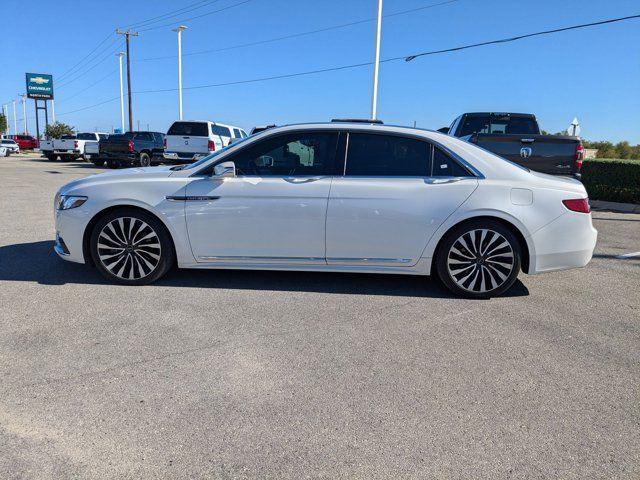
[[180, 30], [24, 113], [120, 55], [376, 64], [128, 34], [53, 110]]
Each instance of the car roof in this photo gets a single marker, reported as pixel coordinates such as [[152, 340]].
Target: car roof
[[207, 121]]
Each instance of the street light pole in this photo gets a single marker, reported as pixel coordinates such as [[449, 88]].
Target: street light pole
[[180, 30], [24, 113], [120, 55], [376, 64], [53, 110], [15, 119]]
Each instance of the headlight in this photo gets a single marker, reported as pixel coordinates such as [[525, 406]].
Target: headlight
[[66, 202]]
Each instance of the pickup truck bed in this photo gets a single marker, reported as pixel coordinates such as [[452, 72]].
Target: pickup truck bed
[[550, 154], [516, 137]]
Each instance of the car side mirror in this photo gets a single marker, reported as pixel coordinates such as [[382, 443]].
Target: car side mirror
[[224, 170]]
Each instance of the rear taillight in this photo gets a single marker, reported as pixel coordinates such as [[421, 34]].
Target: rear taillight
[[580, 205], [211, 145], [579, 157], [164, 143], [130, 145], [75, 144]]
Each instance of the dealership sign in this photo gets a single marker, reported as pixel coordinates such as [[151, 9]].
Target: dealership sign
[[40, 86]]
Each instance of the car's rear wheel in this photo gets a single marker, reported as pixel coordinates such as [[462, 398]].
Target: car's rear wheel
[[479, 259], [131, 247], [113, 164], [144, 160]]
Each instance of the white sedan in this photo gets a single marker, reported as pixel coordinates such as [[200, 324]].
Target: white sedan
[[11, 146], [341, 197]]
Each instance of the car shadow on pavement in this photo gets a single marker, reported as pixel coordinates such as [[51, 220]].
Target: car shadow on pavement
[[37, 262]]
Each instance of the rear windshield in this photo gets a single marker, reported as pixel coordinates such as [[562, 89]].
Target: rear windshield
[[86, 136], [68, 137], [195, 129], [120, 136], [504, 124]]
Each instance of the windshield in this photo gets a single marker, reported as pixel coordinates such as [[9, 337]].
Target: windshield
[[210, 156]]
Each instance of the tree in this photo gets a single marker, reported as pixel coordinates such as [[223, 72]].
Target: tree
[[57, 129], [3, 123], [623, 150]]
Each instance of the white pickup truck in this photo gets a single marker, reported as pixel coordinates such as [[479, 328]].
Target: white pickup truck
[[69, 147]]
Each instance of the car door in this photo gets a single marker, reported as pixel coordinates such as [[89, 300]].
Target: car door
[[390, 200], [273, 211]]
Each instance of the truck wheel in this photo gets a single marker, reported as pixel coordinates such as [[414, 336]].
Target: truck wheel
[[113, 164], [52, 158], [97, 162], [144, 160]]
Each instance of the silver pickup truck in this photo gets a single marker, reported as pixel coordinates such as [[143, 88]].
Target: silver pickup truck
[[70, 147]]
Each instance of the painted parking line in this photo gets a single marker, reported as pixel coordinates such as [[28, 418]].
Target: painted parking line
[[628, 255]]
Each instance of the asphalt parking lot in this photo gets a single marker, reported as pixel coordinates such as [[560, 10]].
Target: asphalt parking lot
[[231, 374]]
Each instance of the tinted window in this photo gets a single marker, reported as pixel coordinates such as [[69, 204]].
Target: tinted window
[[103, 136], [195, 129], [68, 137], [445, 166], [86, 136], [220, 130], [295, 154], [243, 134], [144, 136], [236, 133], [387, 156], [504, 124]]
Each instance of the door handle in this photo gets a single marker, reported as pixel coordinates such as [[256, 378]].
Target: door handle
[[441, 181], [301, 180]]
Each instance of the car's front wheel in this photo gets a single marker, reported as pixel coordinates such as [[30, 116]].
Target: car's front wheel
[[479, 259], [131, 247]]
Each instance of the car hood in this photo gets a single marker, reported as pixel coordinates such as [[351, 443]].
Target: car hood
[[116, 176]]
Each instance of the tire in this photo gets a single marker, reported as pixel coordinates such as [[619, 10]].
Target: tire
[[144, 160], [131, 247], [97, 162], [113, 164], [52, 158], [478, 259]]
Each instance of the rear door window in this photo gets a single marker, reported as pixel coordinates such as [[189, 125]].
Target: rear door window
[[220, 130], [193, 129], [373, 155], [445, 166], [236, 133]]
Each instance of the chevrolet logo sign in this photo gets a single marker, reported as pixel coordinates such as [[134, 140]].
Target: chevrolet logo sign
[[39, 80]]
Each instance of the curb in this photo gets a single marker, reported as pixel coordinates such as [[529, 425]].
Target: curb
[[614, 206]]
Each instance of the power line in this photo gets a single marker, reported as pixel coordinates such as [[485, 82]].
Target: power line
[[91, 86], [100, 61], [302, 34], [173, 13], [195, 17], [83, 58], [520, 37], [363, 64]]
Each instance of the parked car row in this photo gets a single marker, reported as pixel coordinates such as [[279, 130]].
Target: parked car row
[[25, 142], [514, 136], [184, 142]]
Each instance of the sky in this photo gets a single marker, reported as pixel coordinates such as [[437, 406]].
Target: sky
[[592, 74]]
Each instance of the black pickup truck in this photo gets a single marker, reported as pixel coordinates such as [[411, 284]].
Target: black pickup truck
[[140, 149], [516, 137]]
